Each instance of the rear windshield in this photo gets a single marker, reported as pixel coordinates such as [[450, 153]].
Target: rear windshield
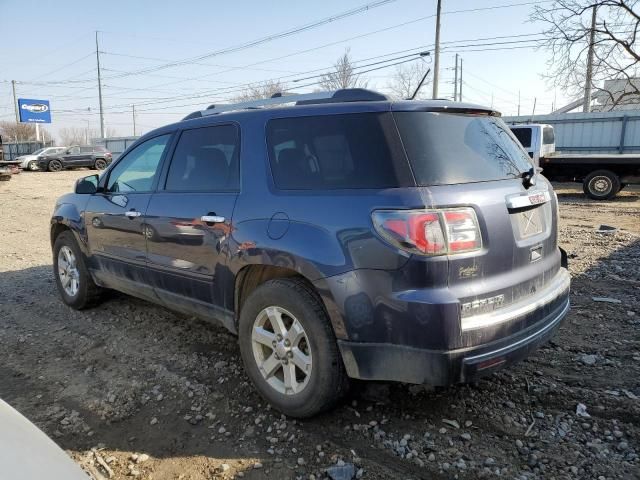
[[447, 148], [336, 152], [547, 136], [524, 135]]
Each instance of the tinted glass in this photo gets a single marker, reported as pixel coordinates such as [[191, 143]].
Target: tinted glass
[[39, 151], [523, 135], [446, 148], [336, 151], [136, 171], [547, 136], [86, 149], [206, 159], [74, 150]]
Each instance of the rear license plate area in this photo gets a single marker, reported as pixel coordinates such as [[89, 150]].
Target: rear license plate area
[[530, 222]]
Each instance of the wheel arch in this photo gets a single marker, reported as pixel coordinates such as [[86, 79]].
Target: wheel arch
[[251, 276]]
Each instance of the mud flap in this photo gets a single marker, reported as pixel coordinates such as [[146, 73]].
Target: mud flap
[[564, 260]]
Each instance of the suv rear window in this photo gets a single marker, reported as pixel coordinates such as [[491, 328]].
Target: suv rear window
[[448, 148], [547, 136], [336, 152]]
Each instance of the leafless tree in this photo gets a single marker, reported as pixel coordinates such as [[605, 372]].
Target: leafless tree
[[616, 56], [23, 132], [82, 136], [261, 90], [406, 79], [343, 75]]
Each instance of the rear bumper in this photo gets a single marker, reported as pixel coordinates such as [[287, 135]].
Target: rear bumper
[[393, 362]]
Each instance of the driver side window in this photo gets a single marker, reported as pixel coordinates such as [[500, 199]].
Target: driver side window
[[137, 170], [74, 150]]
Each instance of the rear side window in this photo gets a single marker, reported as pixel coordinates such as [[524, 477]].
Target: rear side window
[[206, 159], [87, 149], [336, 152], [448, 148], [523, 135], [547, 136]]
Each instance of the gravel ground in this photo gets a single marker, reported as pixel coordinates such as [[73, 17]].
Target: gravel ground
[[132, 390]]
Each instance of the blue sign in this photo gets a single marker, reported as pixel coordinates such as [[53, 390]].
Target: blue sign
[[34, 111]]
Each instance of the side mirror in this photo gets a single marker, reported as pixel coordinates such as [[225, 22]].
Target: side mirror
[[87, 185]]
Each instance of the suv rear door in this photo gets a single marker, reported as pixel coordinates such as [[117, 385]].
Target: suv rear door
[[188, 220], [114, 218], [474, 161]]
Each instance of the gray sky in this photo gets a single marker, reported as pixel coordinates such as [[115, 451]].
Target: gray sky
[[149, 50]]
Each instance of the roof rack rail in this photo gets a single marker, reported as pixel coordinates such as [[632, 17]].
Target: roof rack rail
[[335, 96]]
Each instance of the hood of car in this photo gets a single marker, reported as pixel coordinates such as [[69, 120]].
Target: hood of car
[[21, 441]]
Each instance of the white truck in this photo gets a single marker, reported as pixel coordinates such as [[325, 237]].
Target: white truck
[[602, 175]]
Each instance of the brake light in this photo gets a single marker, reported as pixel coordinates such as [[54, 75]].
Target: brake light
[[430, 232]]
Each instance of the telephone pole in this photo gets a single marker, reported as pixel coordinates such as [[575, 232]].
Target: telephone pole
[[436, 61], [15, 101], [586, 107], [99, 88], [455, 81], [460, 89], [133, 114], [518, 102]]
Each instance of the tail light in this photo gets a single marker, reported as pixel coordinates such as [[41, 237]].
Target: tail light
[[430, 232]]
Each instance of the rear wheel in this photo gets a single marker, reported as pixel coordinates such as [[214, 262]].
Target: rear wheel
[[54, 166], [601, 185], [289, 350], [100, 164], [73, 280], [32, 165]]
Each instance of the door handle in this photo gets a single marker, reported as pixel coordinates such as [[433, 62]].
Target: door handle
[[132, 214], [212, 219]]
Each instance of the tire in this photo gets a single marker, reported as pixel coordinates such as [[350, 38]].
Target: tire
[[32, 165], [100, 164], [87, 292], [601, 185], [326, 381], [623, 186], [55, 166]]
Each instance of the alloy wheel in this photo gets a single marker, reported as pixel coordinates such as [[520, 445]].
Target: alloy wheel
[[281, 350], [68, 271]]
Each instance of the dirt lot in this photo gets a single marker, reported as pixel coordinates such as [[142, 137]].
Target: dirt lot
[[157, 395]]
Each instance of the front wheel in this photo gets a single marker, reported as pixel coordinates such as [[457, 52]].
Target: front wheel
[[601, 185], [55, 166], [289, 349], [100, 164], [32, 165], [73, 280]]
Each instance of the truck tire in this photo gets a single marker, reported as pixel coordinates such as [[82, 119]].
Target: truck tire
[[601, 185], [289, 349]]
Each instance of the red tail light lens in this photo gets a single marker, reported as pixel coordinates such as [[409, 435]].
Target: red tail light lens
[[432, 232]]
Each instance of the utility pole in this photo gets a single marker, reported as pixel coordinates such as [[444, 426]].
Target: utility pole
[[99, 88], [586, 107], [535, 99], [455, 81], [460, 89], [436, 62], [518, 102], [133, 113], [15, 101]]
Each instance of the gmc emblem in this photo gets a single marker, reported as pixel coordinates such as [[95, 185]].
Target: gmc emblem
[[536, 199]]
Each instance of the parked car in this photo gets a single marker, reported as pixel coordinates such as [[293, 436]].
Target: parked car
[[26, 453], [30, 162], [92, 156], [345, 236]]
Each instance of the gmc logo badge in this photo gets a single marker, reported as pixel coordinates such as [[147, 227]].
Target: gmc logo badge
[[536, 199]]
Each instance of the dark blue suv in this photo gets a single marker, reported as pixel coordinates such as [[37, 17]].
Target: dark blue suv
[[344, 236]]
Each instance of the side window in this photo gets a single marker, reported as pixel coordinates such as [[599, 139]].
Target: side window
[[86, 149], [336, 152], [206, 159], [523, 135], [74, 150], [136, 171]]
